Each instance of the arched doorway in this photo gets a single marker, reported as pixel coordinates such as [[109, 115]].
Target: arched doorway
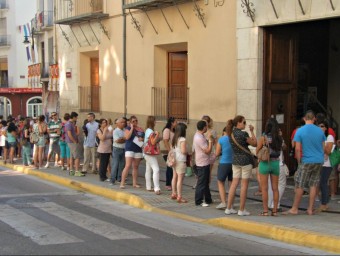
[[34, 107], [2, 106]]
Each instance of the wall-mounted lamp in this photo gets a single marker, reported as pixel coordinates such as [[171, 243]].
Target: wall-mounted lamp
[[26, 41]]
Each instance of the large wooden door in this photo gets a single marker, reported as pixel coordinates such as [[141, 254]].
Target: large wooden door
[[95, 89], [280, 79], [177, 86]]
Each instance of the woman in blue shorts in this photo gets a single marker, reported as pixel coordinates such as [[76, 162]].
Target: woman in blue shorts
[[225, 170], [273, 140]]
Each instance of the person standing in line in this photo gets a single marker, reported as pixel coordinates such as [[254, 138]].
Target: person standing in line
[[12, 134], [3, 129], [134, 136], [104, 148], [284, 172], [53, 129], [64, 149], [168, 134], [326, 168], [26, 144], [118, 151], [311, 139], [71, 138], [151, 160], [202, 149], [271, 168], [224, 171], [40, 128], [242, 163], [90, 143], [180, 146]]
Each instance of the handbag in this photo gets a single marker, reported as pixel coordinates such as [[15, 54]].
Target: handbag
[[255, 159], [264, 153], [334, 157], [150, 149]]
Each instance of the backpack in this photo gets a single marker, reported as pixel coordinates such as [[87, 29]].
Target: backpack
[[171, 161], [34, 138]]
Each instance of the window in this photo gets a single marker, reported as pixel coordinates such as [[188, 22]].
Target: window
[[2, 107], [34, 107]]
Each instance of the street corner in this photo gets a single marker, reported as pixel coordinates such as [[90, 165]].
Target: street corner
[[279, 233]]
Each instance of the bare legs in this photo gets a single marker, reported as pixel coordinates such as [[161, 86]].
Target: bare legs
[[134, 162]]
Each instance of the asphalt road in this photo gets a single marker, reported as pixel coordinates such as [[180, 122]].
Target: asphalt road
[[40, 218]]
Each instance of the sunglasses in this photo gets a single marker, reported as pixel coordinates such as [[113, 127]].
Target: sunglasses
[[321, 126]]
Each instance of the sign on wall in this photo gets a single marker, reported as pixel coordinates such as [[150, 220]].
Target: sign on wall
[[53, 83], [34, 75]]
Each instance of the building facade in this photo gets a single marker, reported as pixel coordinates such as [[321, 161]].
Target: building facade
[[14, 17], [175, 58]]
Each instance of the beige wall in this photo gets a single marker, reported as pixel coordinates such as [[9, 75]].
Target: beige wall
[[211, 61]]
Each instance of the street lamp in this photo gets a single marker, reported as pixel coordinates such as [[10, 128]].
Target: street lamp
[[26, 41]]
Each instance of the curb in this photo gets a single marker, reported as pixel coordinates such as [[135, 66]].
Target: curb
[[269, 231]]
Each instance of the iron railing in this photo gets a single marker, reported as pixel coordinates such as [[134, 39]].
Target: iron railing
[[151, 4], [170, 101], [5, 40], [89, 98], [48, 19], [77, 8]]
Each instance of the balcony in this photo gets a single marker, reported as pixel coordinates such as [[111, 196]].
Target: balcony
[[89, 98], [168, 102], [47, 20], [151, 4], [3, 5], [70, 12], [5, 40]]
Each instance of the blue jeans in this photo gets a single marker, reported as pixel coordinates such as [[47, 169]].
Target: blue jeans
[[26, 154], [118, 163], [325, 173]]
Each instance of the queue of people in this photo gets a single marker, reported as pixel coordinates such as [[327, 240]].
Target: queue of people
[[112, 149]]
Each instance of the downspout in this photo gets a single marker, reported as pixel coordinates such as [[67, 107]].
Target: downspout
[[124, 59]]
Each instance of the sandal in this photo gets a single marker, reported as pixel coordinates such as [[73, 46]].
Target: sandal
[[173, 196], [181, 200], [274, 214], [136, 186], [158, 192], [258, 193], [121, 186], [263, 214]]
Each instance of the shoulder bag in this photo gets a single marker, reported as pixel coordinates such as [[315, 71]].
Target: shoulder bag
[[264, 153], [150, 148], [334, 157], [255, 159]]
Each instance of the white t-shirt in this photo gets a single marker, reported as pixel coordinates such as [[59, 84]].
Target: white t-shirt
[[330, 138], [179, 155]]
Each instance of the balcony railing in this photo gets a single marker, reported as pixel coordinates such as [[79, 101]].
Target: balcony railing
[[151, 4], [168, 102], [48, 19], [5, 40], [3, 5], [76, 11], [89, 98]]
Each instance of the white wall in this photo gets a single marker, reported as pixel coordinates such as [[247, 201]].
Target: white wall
[[20, 12]]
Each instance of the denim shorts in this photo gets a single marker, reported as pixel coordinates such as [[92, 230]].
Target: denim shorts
[[224, 171], [11, 144]]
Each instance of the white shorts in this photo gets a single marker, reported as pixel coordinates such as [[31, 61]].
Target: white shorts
[[133, 154]]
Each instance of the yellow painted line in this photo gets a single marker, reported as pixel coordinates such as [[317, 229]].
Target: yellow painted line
[[276, 232], [280, 233]]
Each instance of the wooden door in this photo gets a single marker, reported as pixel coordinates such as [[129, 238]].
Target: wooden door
[[95, 89], [280, 80], [177, 85]]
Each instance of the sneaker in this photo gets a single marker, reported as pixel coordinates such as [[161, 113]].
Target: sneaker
[[230, 211], [42, 168], [112, 183], [333, 198], [204, 204], [108, 180], [55, 164], [243, 213], [71, 172], [79, 174], [47, 165], [221, 206], [63, 168]]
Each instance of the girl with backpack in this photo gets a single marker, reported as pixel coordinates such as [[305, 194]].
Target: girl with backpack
[[180, 148]]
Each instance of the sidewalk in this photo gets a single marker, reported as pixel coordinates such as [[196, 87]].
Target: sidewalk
[[321, 231]]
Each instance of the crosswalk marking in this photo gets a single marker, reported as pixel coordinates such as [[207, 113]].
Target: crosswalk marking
[[94, 225], [72, 193], [40, 232]]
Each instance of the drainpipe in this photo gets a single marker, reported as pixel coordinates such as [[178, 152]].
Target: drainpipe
[[124, 59]]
